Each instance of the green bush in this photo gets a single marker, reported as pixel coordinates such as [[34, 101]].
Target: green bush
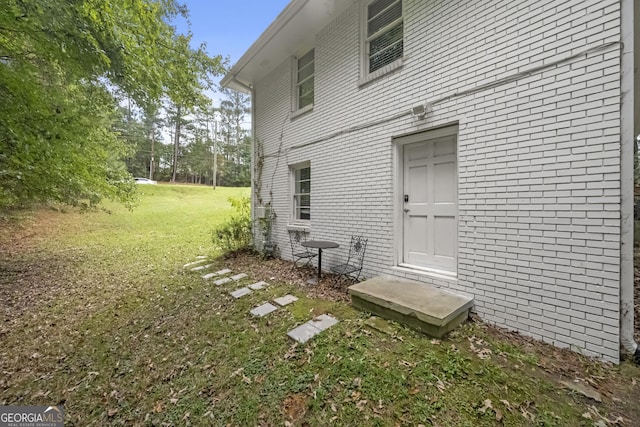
[[235, 232]]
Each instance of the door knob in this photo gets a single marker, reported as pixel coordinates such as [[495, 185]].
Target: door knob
[[406, 209]]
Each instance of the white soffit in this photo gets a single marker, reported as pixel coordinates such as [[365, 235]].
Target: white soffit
[[292, 33]]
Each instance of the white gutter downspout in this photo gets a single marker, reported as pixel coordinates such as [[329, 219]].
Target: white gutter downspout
[[627, 342], [252, 93]]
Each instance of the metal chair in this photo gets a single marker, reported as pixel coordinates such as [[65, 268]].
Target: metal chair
[[298, 251], [355, 259]]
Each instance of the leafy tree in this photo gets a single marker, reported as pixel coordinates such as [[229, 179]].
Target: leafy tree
[[236, 142], [64, 69]]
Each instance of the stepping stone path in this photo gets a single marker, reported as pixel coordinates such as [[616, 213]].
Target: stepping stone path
[[202, 267], [263, 310], [189, 264], [217, 273], [306, 331], [222, 281], [285, 300], [239, 293], [258, 285], [301, 334]]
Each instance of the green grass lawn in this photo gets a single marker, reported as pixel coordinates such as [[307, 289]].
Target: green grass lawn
[[101, 316]]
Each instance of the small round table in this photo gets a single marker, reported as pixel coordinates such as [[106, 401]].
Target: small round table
[[320, 245]]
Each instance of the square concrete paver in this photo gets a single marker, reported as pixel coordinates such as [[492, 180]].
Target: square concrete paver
[[202, 267], [223, 272], [239, 276], [209, 276], [222, 281], [263, 310], [189, 264], [303, 333], [238, 293], [285, 300], [201, 257], [258, 285], [324, 321]]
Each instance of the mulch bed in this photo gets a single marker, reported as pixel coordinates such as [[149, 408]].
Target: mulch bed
[[330, 287]]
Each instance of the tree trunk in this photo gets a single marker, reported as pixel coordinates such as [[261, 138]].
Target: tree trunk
[[176, 145], [153, 147]]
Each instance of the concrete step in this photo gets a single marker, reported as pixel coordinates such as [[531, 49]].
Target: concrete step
[[423, 307]]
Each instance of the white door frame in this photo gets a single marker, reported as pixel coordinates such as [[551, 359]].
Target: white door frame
[[398, 176]]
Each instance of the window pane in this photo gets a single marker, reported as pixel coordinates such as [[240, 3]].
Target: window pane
[[378, 6], [386, 48], [306, 72], [304, 173], [305, 187], [384, 19], [305, 93], [304, 82], [302, 193], [306, 59]]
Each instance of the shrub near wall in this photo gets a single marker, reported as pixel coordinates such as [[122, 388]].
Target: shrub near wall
[[235, 233]]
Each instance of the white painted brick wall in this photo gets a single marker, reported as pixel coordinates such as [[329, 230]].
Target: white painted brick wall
[[538, 158]]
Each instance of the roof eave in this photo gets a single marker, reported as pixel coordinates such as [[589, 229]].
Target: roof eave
[[231, 79]]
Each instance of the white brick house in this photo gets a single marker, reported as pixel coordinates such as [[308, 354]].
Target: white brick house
[[519, 174]]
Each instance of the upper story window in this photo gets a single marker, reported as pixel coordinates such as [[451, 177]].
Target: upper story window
[[383, 38], [305, 70]]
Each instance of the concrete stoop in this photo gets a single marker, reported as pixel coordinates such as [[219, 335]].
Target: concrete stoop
[[423, 307]]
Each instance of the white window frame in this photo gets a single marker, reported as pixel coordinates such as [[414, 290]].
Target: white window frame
[[296, 84], [295, 196], [365, 75]]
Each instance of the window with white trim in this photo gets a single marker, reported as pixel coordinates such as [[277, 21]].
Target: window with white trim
[[304, 87], [301, 174], [384, 36]]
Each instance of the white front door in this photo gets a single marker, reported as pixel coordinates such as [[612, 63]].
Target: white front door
[[430, 204]]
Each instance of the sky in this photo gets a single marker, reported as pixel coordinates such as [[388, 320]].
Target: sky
[[230, 27]]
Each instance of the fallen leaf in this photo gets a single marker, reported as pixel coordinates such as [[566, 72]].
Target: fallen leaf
[[357, 382], [527, 415], [236, 372], [361, 404], [506, 403], [498, 414], [112, 412], [487, 404]]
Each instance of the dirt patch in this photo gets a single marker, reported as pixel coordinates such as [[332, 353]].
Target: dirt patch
[[294, 407]]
